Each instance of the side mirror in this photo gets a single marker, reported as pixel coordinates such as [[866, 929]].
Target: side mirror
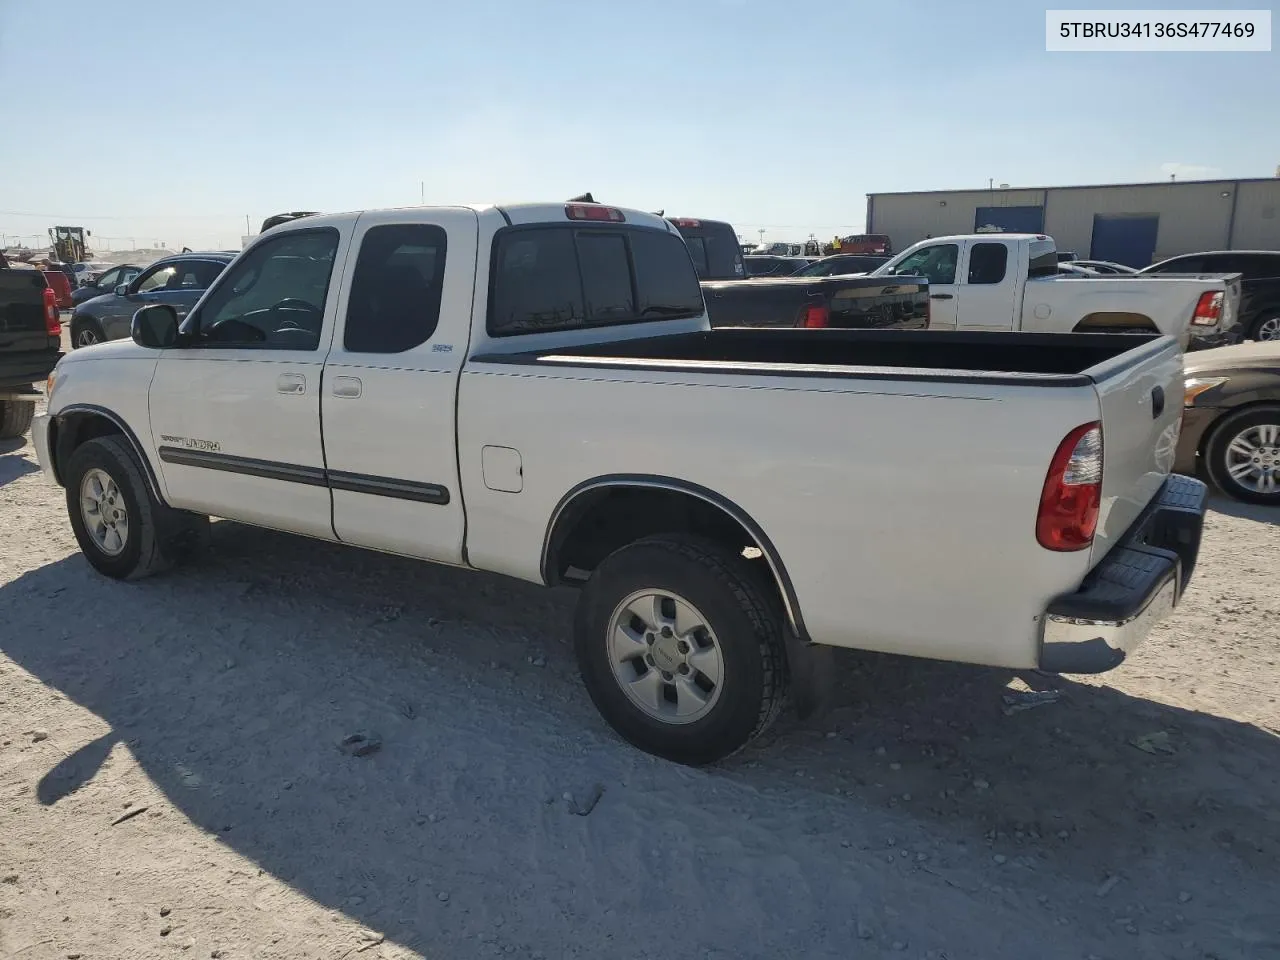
[[155, 327], [121, 290]]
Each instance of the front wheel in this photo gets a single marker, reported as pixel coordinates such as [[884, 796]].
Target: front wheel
[[123, 530], [85, 333], [1243, 455], [681, 648]]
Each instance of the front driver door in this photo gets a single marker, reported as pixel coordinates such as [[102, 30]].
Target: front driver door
[[936, 262], [235, 410]]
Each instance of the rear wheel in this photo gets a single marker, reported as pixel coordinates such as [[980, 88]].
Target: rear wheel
[[123, 531], [15, 417], [1266, 328], [85, 333], [1243, 455], [681, 648]]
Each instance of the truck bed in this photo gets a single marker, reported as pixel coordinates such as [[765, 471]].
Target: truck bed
[[1046, 358]]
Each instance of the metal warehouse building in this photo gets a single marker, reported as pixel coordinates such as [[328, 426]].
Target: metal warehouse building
[[1134, 223]]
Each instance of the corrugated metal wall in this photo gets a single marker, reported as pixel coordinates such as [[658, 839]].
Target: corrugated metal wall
[[1193, 215]]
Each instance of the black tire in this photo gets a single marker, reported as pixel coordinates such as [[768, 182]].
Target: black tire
[[1216, 452], [82, 327], [158, 536], [745, 618], [15, 417], [1269, 319]]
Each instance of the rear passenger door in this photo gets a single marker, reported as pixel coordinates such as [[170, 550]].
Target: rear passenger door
[[985, 297], [390, 384]]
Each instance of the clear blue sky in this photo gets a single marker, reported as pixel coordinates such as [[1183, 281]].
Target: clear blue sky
[[754, 111]]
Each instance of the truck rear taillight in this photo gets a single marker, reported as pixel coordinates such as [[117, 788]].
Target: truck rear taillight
[[1208, 309], [686, 222], [593, 211], [816, 316], [1072, 494], [52, 319]]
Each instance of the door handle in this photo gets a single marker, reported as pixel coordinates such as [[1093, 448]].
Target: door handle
[[291, 383], [940, 296], [349, 388]]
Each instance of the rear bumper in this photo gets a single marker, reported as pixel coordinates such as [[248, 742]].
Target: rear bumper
[[1134, 587]]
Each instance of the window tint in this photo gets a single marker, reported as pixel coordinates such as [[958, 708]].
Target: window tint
[[395, 290], [988, 262], [273, 296], [698, 254], [937, 263], [666, 283], [606, 277], [1261, 266], [625, 276], [715, 250], [1181, 265]]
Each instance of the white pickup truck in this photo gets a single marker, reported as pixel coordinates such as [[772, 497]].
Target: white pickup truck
[[1010, 281], [536, 390]]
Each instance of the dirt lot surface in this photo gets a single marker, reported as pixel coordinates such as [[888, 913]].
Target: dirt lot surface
[[1135, 817]]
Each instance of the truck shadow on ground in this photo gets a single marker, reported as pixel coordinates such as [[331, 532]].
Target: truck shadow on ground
[[12, 464], [231, 681]]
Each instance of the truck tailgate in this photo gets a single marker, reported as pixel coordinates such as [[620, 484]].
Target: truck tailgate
[[1140, 394]]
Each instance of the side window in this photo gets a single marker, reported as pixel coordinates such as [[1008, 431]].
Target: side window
[[112, 279], [936, 263], [394, 304], [273, 296], [557, 279], [157, 278], [1261, 266], [988, 262], [1182, 265], [535, 283]]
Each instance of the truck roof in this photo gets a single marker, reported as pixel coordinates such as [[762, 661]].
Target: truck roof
[[514, 213], [993, 236]]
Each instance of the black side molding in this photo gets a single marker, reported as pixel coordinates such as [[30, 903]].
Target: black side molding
[[311, 476], [386, 487], [269, 469]]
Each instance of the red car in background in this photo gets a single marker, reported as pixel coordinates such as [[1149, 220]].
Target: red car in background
[[60, 284]]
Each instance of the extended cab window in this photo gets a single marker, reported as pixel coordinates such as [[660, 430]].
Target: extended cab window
[[395, 291], [988, 262], [559, 278], [273, 296]]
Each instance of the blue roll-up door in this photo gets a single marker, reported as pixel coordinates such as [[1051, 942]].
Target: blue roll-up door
[[1009, 220], [1128, 238]]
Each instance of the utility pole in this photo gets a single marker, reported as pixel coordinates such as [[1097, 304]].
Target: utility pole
[[247, 231], [422, 187]]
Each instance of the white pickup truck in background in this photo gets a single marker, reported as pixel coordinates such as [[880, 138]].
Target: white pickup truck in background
[[1010, 281], [536, 391]]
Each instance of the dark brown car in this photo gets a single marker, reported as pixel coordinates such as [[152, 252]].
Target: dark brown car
[[1231, 420]]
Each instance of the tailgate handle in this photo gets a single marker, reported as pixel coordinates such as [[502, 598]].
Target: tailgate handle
[[1157, 402]]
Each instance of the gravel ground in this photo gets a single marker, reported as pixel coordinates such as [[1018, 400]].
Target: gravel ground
[[171, 780]]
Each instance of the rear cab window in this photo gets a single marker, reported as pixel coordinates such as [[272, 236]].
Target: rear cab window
[[713, 247], [555, 277]]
